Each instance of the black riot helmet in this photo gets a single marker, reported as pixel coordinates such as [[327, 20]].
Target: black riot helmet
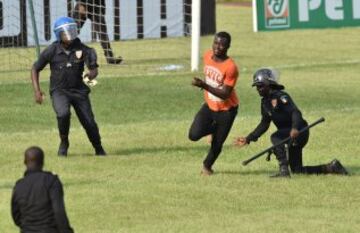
[[268, 77]]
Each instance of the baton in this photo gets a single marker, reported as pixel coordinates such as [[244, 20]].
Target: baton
[[322, 119]]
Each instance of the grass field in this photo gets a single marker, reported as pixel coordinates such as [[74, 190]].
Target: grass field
[[150, 180]]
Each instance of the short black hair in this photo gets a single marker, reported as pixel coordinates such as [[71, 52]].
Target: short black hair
[[224, 35], [34, 156]]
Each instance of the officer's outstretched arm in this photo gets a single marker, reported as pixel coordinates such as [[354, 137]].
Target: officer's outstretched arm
[[38, 94]]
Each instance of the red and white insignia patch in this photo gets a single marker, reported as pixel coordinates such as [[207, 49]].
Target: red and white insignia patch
[[284, 99]]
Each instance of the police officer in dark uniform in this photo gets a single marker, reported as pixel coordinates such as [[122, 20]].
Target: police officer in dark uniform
[[95, 11], [37, 203], [67, 58], [278, 107]]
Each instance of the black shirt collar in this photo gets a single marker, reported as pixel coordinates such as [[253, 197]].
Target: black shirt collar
[[33, 170], [74, 46]]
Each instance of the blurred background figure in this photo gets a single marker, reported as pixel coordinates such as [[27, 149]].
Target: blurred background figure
[[95, 11]]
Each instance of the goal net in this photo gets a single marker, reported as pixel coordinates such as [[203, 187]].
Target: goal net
[[149, 35]]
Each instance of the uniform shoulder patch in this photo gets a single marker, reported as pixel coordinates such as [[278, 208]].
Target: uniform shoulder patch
[[284, 99]]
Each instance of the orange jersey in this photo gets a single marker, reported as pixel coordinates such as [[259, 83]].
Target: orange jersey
[[218, 74]]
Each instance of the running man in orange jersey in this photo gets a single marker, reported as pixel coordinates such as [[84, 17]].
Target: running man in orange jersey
[[217, 114]]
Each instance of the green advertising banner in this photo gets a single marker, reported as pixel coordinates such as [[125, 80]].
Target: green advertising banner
[[292, 14]]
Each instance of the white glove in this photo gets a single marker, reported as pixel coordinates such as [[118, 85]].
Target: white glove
[[89, 82]]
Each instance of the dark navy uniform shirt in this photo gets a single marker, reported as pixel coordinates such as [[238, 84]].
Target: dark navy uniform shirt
[[37, 204], [280, 109], [67, 66]]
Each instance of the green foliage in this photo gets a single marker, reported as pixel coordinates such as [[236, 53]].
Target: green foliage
[[150, 181]]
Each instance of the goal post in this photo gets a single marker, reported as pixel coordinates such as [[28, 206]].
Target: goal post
[[33, 23], [195, 34]]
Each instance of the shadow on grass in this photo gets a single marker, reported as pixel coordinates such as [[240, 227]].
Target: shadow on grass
[[153, 150], [70, 155], [244, 172], [353, 170], [201, 149]]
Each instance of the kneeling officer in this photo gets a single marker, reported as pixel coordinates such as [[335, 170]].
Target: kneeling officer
[[278, 107]]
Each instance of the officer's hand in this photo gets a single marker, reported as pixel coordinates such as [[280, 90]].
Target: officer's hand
[[294, 133], [39, 97], [198, 82], [240, 142], [91, 74]]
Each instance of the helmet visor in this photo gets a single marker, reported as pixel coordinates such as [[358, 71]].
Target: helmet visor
[[266, 76], [259, 80], [68, 32]]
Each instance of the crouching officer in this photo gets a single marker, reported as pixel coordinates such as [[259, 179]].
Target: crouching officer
[[278, 107], [67, 57]]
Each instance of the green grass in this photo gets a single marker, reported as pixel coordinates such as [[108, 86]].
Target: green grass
[[150, 181]]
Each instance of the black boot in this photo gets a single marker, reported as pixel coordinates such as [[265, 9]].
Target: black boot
[[335, 167], [283, 172], [63, 147], [114, 60], [99, 150], [110, 58]]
